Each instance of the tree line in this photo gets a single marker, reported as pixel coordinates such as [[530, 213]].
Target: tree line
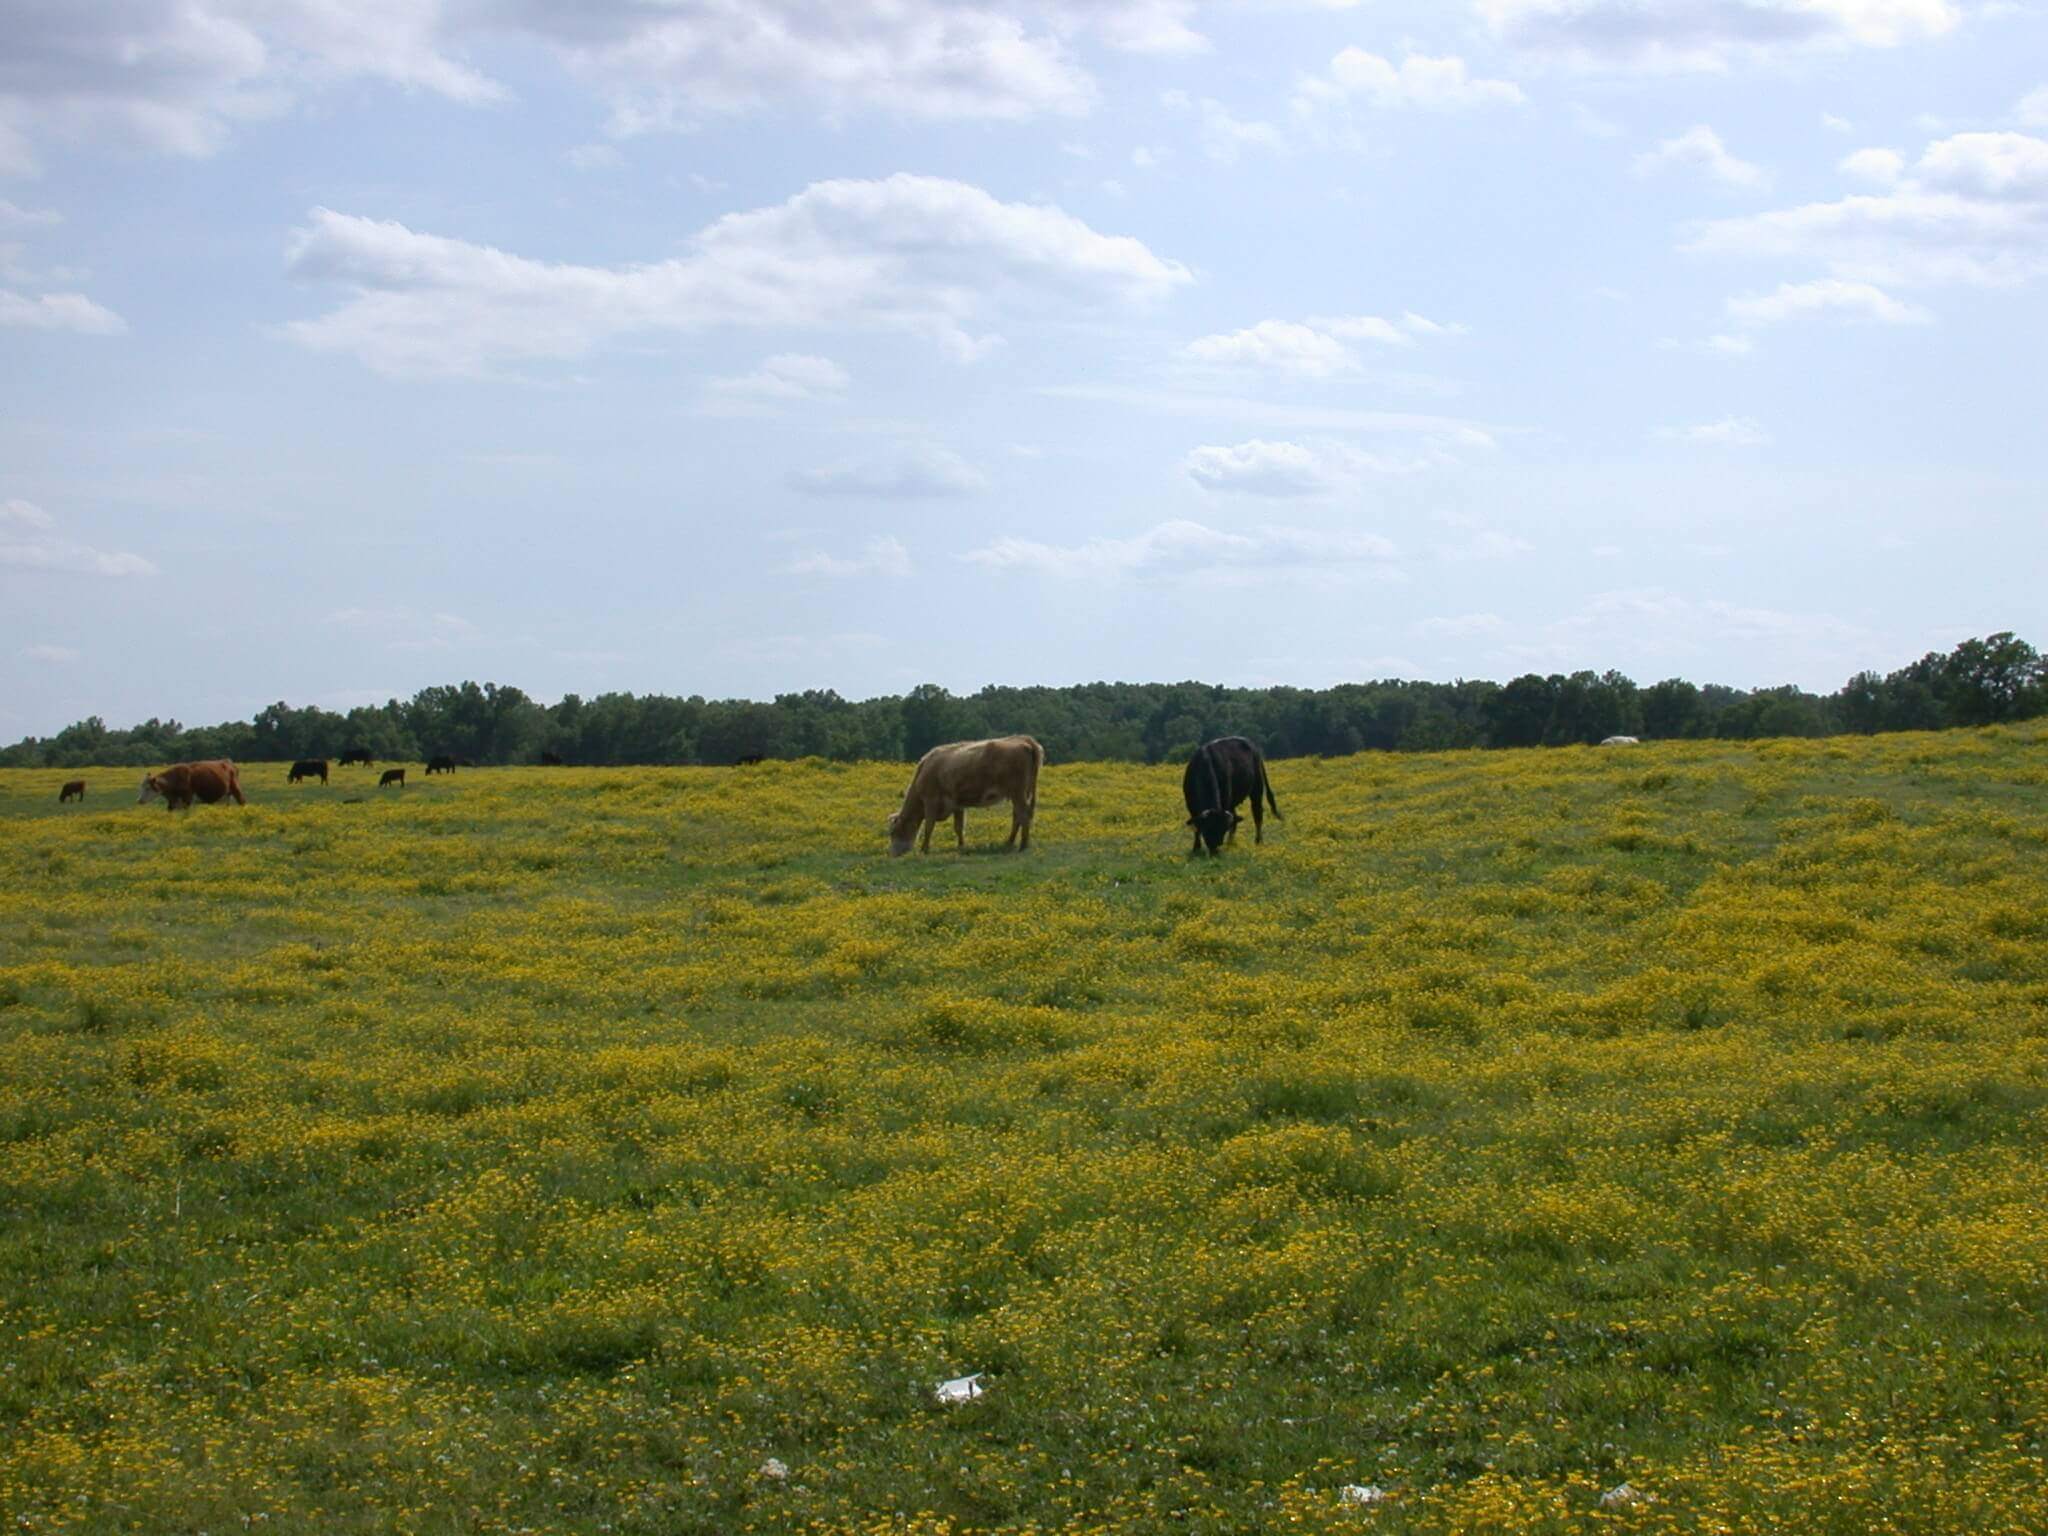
[[1980, 682]]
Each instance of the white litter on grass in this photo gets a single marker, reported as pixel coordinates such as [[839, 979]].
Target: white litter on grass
[[1621, 1497], [775, 1468], [961, 1389], [1362, 1493]]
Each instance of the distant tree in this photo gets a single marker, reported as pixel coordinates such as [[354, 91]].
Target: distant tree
[[1981, 681], [1519, 715], [1671, 709], [930, 716]]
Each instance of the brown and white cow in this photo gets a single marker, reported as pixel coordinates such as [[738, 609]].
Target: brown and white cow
[[953, 779], [182, 783]]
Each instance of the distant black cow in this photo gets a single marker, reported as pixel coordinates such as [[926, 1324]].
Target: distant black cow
[[748, 761], [75, 790], [309, 768], [1219, 777], [355, 755], [392, 776], [551, 759], [441, 764]]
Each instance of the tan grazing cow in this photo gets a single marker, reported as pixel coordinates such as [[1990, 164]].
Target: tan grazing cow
[[182, 783], [961, 775]]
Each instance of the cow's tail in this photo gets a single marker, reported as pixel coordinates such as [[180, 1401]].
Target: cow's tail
[[1037, 762], [1265, 783]]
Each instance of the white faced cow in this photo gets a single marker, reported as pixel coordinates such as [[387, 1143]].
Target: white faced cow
[[952, 779]]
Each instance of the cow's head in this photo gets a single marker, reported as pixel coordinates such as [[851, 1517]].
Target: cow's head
[[151, 789], [900, 841], [1214, 825]]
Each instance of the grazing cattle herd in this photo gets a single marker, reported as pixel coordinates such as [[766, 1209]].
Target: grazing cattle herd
[[949, 781]]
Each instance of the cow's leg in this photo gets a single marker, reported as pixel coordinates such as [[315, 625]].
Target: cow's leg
[[1016, 823], [960, 830], [1258, 822], [929, 822]]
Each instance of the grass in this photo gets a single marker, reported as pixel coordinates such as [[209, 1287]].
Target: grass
[[547, 1149]]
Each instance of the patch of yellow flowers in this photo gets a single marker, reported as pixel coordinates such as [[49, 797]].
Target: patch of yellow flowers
[[550, 1149]]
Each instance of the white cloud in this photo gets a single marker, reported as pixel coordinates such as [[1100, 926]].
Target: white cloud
[[406, 629], [1485, 544], [1224, 137], [1834, 124], [593, 157], [884, 556], [1440, 437], [675, 65], [1658, 622], [908, 252], [1260, 468], [14, 216], [1285, 346], [58, 312], [28, 544], [1700, 148], [2033, 108], [1859, 301], [1592, 124], [1356, 77], [53, 655], [15, 513], [919, 473], [1315, 348], [1708, 34], [1185, 547], [1729, 432], [1974, 210], [178, 76], [1456, 626], [1285, 469], [175, 78], [1880, 167], [786, 376], [1989, 165]]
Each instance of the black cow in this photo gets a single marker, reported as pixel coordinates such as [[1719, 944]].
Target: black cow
[[441, 764], [392, 776], [1219, 777], [355, 755], [308, 768], [551, 759], [74, 790], [749, 761]]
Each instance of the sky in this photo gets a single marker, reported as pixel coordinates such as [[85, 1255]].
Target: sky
[[738, 347]]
